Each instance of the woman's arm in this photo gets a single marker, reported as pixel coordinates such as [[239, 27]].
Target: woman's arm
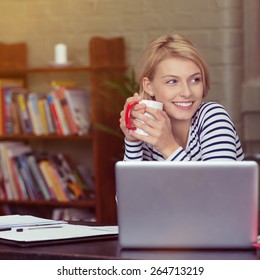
[[217, 135]]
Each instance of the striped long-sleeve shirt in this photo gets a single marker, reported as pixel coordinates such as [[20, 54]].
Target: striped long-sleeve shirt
[[212, 136]]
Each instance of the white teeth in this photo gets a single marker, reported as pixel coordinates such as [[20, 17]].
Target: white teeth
[[183, 104]]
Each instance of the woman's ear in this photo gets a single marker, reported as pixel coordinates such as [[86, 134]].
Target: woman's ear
[[147, 86]]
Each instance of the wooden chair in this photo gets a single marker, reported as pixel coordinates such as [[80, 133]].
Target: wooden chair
[[13, 56], [108, 55], [107, 52]]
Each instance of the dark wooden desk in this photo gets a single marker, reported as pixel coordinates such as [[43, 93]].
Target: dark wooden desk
[[110, 250]]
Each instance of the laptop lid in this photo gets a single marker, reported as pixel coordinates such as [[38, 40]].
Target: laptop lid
[[187, 204]]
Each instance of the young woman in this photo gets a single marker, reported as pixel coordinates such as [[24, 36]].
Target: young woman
[[172, 71]]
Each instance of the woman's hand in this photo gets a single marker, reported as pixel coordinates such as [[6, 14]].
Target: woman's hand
[[138, 107], [159, 130]]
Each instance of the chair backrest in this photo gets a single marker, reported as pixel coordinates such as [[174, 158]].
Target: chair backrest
[[106, 52], [107, 59], [13, 56]]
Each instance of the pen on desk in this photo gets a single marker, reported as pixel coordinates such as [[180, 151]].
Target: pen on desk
[[37, 227], [5, 229]]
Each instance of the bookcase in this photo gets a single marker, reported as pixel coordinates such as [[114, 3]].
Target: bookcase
[[107, 60]]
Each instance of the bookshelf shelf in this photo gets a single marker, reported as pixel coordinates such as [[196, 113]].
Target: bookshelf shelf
[[90, 203], [48, 69], [74, 69], [19, 137], [107, 60]]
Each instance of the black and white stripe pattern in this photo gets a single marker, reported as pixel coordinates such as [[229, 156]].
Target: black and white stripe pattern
[[212, 136]]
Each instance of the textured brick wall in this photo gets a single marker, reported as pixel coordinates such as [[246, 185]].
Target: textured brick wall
[[216, 26]]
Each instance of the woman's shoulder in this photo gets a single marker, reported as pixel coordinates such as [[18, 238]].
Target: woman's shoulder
[[212, 108], [211, 105]]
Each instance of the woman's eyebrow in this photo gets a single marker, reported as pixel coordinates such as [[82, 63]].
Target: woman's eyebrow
[[176, 76], [198, 73], [170, 76]]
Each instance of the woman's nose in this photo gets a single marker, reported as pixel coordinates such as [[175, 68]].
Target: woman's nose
[[186, 91]]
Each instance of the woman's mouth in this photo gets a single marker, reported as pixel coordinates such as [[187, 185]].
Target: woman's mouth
[[183, 105]]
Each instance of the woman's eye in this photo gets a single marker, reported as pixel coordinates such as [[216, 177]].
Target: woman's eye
[[196, 80], [173, 81]]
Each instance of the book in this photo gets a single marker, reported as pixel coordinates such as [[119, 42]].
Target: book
[[60, 94], [6, 83], [13, 152], [7, 187], [2, 192], [54, 114], [23, 193], [72, 169], [34, 112], [10, 119], [23, 113], [31, 160], [7, 175], [60, 113], [41, 105], [31, 185], [7, 110], [80, 106], [22, 170], [59, 184], [52, 180], [49, 117], [73, 188], [16, 124]]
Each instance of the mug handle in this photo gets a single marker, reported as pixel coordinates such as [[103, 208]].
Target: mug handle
[[128, 115]]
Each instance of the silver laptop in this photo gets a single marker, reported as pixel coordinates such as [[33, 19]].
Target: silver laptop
[[187, 204]]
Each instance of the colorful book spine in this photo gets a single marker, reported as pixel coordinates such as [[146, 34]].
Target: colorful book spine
[[6, 83], [23, 169], [33, 109], [79, 103], [19, 181], [24, 114], [60, 113], [49, 117], [48, 174], [60, 94], [38, 177], [13, 152], [16, 125], [73, 175], [60, 188], [7, 110], [54, 114], [43, 117], [8, 179], [66, 178]]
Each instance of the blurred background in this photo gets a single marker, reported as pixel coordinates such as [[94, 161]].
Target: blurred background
[[226, 31]]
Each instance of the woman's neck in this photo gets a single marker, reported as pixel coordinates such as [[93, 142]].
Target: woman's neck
[[180, 130]]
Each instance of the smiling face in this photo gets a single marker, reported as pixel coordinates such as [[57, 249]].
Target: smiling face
[[177, 83]]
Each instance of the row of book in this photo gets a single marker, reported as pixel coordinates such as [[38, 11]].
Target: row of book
[[30, 175], [63, 111]]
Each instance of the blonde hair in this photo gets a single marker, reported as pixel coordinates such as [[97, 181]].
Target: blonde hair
[[168, 46]]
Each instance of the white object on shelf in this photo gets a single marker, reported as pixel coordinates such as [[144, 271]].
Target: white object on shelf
[[60, 52]]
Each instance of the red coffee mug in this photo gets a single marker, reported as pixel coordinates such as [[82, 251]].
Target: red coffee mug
[[148, 103]]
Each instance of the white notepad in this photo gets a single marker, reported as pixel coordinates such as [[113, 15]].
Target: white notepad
[[29, 230], [25, 220]]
